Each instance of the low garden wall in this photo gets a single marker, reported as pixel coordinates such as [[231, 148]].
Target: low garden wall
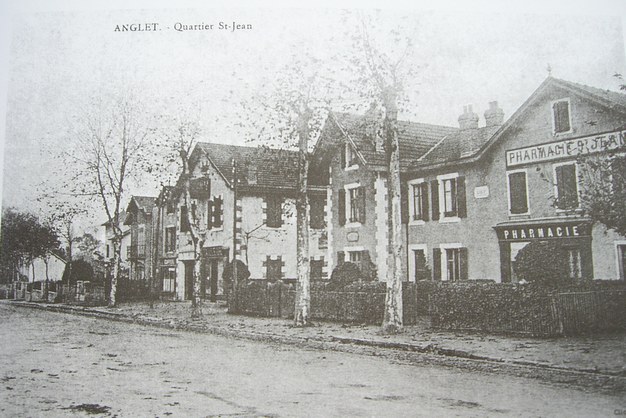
[[473, 305]]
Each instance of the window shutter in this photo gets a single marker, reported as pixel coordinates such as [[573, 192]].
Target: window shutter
[[436, 263], [404, 202], [517, 191], [434, 187], [366, 265], [424, 197], [209, 218], [567, 186], [341, 207], [463, 264], [361, 203], [341, 257], [343, 156], [460, 198], [561, 116], [217, 212]]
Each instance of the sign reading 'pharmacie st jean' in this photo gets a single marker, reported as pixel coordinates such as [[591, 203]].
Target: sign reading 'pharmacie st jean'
[[566, 148]]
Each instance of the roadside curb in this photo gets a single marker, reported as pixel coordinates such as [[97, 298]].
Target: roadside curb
[[432, 354]]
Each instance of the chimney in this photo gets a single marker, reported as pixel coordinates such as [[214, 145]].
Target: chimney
[[469, 119], [494, 116]]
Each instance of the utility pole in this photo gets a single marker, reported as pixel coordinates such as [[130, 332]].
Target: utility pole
[[235, 307]]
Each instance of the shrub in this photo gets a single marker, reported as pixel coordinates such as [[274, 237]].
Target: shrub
[[542, 262], [344, 274], [242, 275]]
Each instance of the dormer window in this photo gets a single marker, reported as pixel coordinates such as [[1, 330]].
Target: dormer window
[[561, 116]]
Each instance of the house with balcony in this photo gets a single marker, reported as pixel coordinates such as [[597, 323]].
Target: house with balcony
[[141, 251]]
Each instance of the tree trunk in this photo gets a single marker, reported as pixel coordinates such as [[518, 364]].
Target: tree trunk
[[303, 289], [392, 322], [45, 285], [117, 260]]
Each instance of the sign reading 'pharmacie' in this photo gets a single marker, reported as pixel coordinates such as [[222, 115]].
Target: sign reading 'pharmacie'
[[543, 231], [566, 148]]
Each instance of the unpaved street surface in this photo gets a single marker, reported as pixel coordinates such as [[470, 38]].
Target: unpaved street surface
[[54, 364]]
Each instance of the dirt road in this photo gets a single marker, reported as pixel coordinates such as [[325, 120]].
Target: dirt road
[[56, 364]]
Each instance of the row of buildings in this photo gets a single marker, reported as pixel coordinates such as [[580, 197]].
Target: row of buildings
[[472, 197]]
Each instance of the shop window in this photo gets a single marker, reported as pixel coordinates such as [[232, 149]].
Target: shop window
[[274, 211], [566, 189], [317, 212], [561, 116], [170, 239], [518, 193], [419, 201], [169, 280]]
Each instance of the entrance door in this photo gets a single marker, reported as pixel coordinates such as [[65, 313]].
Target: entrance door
[[188, 279], [213, 272]]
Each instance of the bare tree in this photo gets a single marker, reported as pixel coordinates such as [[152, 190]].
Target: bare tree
[[181, 135], [383, 65], [291, 115], [110, 148]]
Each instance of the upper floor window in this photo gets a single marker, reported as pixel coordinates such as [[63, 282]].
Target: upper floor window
[[561, 116], [317, 212], [274, 211], [170, 239], [215, 213], [349, 157], [352, 204], [566, 186], [141, 240], [419, 200], [518, 192], [184, 220], [449, 201]]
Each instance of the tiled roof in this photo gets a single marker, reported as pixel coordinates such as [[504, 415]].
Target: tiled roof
[[256, 166], [145, 203], [609, 95], [415, 139], [460, 144]]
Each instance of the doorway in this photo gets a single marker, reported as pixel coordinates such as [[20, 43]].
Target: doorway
[[188, 279]]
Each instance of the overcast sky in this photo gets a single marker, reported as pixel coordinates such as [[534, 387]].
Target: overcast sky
[[59, 55]]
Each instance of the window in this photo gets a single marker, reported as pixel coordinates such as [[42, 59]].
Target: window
[[274, 211], [419, 201], [566, 190], [274, 268], [317, 212], [352, 204], [449, 203], [450, 262], [518, 193], [420, 270], [170, 207], [349, 157], [561, 116], [170, 239], [169, 280], [356, 257], [317, 269], [108, 251], [215, 212], [184, 222], [141, 241], [574, 262]]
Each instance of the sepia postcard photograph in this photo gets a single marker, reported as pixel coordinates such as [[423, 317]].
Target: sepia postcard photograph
[[342, 209]]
